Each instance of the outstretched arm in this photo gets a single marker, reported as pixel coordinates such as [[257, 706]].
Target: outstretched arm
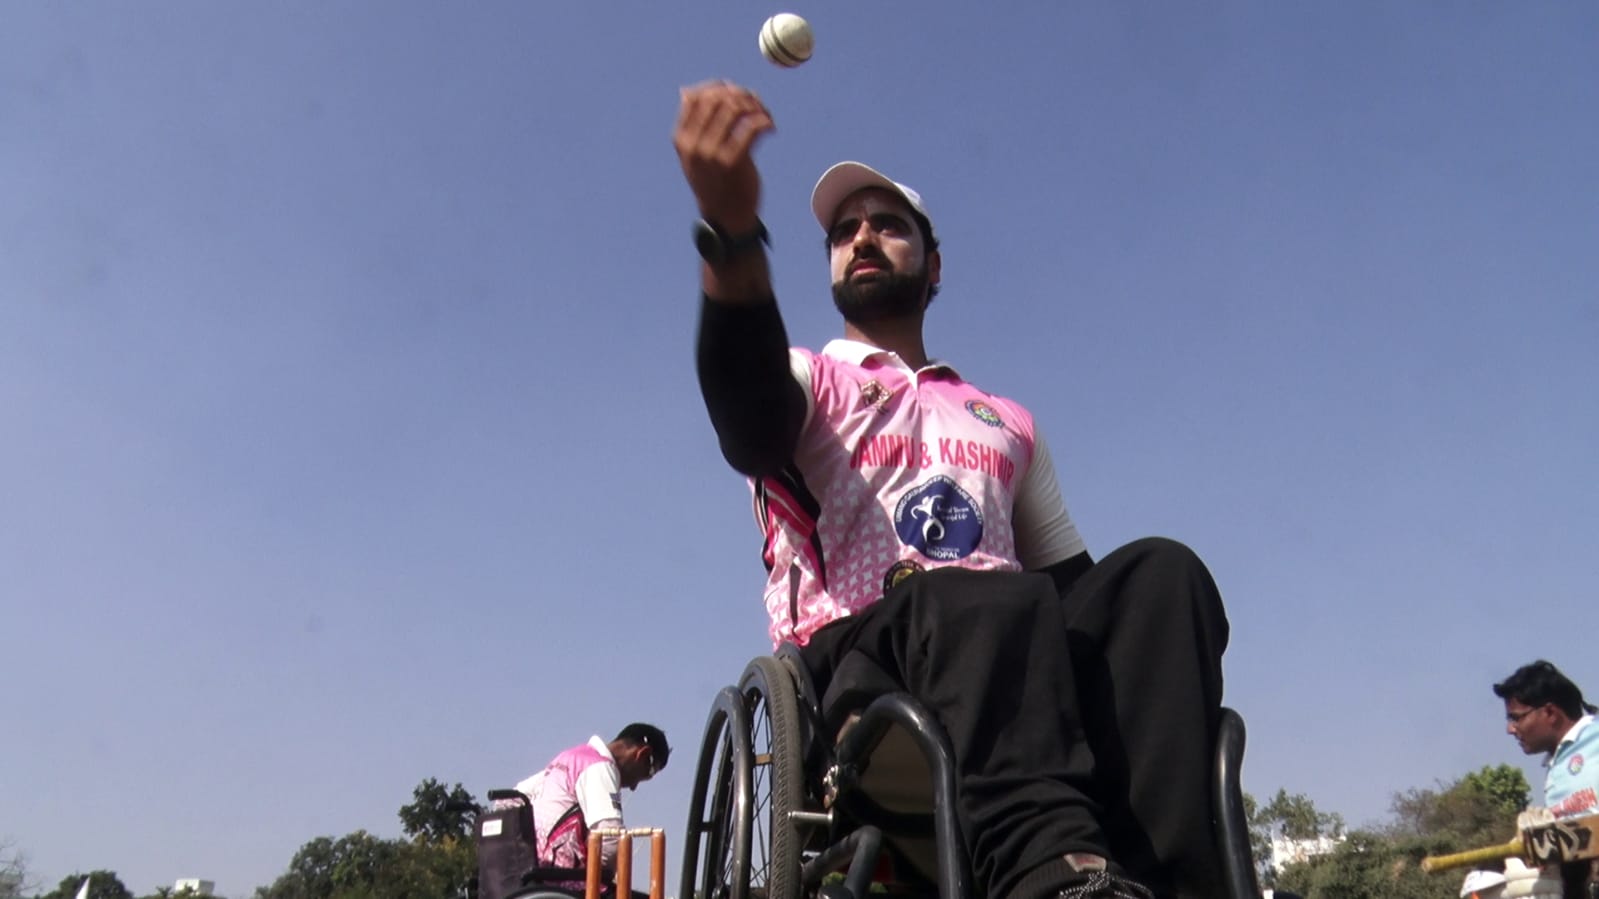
[[742, 352]]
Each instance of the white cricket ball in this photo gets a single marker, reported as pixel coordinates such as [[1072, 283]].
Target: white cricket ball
[[786, 40]]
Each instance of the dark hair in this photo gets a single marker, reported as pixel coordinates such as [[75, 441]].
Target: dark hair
[[648, 735], [929, 247], [928, 240], [1541, 684]]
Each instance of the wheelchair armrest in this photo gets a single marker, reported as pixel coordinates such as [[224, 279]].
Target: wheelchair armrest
[[510, 796], [1232, 825]]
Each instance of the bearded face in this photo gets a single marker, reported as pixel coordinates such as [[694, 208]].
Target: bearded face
[[880, 294], [881, 268]]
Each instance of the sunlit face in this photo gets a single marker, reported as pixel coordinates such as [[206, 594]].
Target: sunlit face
[[1536, 728], [880, 265], [874, 234]]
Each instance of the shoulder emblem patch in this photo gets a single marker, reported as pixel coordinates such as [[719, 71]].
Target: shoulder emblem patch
[[873, 393], [984, 413]]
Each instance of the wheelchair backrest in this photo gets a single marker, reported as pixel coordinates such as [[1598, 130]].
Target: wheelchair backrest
[[507, 848]]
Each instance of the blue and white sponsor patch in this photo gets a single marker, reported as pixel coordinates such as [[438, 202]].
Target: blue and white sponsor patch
[[939, 520]]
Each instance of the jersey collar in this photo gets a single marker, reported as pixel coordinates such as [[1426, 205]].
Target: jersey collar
[[857, 352], [1570, 737]]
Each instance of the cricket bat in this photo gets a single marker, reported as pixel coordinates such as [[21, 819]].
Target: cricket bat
[[1560, 840]]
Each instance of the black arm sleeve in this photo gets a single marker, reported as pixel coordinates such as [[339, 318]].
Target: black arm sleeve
[[755, 404], [1066, 572]]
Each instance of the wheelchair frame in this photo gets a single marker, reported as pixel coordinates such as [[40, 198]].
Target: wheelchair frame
[[507, 851], [764, 738]]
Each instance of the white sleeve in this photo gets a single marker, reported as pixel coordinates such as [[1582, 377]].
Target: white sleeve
[[1044, 531], [599, 793], [800, 365]]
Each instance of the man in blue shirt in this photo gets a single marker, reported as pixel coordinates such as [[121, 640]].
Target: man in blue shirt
[[1545, 712]]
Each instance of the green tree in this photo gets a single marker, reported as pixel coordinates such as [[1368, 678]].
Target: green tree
[[1384, 862], [102, 885], [1288, 816], [1369, 865], [433, 864], [436, 814], [14, 876], [361, 866], [1476, 810], [1295, 817]]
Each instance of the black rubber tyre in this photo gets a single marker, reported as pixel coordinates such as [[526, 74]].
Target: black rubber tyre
[[778, 778], [720, 817]]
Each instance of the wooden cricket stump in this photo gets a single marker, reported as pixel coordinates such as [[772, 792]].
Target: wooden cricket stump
[[624, 861]]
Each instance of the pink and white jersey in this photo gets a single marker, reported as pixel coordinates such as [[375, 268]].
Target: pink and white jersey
[[585, 776], [899, 471]]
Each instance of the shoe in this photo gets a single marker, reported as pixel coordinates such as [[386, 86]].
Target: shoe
[[1105, 885]]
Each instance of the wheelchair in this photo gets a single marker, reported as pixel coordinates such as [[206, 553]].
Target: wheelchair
[[780, 810], [507, 854]]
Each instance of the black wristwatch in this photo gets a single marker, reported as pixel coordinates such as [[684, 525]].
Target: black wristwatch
[[716, 246]]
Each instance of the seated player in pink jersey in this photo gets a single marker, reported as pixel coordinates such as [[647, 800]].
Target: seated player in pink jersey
[[581, 790], [916, 537]]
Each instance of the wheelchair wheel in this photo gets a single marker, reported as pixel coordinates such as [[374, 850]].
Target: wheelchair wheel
[[778, 778], [716, 841]]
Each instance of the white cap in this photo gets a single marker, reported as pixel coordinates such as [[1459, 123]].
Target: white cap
[[838, 182], [1478, 881]]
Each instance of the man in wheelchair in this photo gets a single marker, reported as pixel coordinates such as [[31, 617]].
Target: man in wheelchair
[[553, 811], [916, 539]]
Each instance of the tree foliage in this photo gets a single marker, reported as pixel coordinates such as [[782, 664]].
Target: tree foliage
[[14, 876], [433, 864], [102, 885], [435, 861], [1286, 816], [1476, 810], [1295, 817], [1371, 865], [435, 814], [1479, 809]]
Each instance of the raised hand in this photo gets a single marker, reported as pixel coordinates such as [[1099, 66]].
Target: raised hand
[[718, 123]]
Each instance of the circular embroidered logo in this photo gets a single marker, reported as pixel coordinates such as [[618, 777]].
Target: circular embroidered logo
[[939, 520], [984, 413], [897, 572], [1575, 765]]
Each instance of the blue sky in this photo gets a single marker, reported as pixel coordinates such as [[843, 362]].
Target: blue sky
[[352, 436]]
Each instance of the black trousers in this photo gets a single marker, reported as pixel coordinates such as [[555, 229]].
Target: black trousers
[[1078, 723]]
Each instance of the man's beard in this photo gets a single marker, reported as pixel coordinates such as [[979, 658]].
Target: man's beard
[[881, 298]]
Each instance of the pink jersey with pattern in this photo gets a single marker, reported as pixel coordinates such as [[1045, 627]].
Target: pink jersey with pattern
[[896, 471], [563, 835]]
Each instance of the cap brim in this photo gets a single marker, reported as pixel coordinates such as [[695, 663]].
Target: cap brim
[[845, 178], [1478, 881]]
